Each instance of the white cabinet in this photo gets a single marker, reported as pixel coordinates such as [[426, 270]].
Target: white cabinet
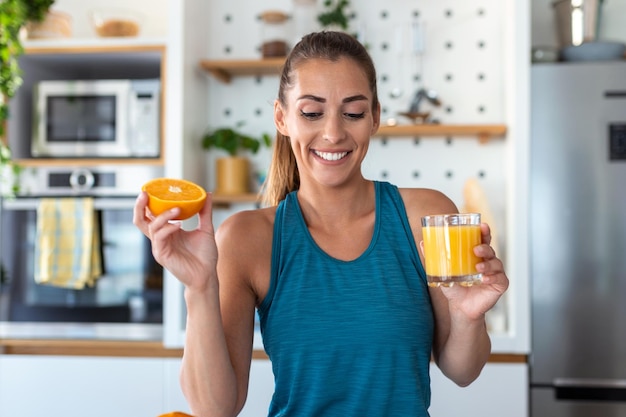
[[260, 389], [501, 390], [173, 397], [34, 386]]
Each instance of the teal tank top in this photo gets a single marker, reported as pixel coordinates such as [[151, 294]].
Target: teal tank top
[[348, 338]]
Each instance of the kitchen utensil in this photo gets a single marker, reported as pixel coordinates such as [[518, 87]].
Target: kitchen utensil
[[116, 22], [401, 49], [431, 95], [577, 21]]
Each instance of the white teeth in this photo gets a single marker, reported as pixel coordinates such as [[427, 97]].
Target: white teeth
[[331, 156]]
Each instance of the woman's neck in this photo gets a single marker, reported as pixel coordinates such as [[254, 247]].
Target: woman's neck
[[336, 205]]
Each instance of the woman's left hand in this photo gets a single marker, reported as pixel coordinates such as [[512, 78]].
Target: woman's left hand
[[476, 300]]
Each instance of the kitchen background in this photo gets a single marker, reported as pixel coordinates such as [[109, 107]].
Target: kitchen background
[[475, 54], [456, 51]]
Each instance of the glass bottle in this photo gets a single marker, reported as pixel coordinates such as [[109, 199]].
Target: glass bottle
[[274, 34]]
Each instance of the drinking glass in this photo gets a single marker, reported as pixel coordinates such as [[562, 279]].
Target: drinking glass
[[449, 241]]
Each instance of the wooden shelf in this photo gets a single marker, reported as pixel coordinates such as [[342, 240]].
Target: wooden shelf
[[227, 200], [95, 45], [483, 132], [87, 347], [224, 70]]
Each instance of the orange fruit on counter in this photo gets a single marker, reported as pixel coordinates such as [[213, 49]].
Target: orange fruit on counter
[[167, 193], [176, 414]]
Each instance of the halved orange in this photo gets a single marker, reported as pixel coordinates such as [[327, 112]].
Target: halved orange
[[167, 193]]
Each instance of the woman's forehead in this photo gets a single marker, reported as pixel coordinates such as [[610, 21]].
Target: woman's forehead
[[326, 75]]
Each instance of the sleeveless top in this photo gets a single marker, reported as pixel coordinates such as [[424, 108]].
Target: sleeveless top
[[348, 338]]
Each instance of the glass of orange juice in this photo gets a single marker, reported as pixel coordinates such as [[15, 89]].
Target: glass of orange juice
[[449, 241]]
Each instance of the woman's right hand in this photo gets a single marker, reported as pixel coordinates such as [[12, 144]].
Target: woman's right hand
[[191, 256]]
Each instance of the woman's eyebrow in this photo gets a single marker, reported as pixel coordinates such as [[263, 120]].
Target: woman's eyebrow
[[358, 97], [312, 97]]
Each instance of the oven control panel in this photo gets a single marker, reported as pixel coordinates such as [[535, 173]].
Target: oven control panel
[[100, 181]]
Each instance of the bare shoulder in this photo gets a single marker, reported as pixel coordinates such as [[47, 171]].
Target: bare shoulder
[[247, 229], [244, 244], [425, 201]]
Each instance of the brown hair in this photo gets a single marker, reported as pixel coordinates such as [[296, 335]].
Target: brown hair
[[283, 176]]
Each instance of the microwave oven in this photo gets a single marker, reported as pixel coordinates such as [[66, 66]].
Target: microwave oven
[[96, 119]]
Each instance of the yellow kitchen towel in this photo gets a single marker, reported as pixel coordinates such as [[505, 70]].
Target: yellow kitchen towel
[[68, 247]]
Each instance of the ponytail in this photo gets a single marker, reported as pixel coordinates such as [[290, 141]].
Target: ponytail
[[282, 177]]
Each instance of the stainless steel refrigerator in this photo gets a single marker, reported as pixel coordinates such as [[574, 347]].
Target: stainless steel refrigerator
[[578, 239]]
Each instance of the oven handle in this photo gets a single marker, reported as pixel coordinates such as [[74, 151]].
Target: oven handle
[[99, 203]]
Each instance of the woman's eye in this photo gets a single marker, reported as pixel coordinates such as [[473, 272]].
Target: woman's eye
[[355, 115], [310, 115]]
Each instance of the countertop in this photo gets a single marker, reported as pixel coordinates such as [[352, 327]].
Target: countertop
[[79, 339], [82, 331], [128, 340]]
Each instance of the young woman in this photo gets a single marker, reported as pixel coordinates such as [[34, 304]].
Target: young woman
[[332, 265]]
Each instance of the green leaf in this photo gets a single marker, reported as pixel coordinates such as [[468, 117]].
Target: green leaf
[[334, 14], [13, 16], [233, 141]]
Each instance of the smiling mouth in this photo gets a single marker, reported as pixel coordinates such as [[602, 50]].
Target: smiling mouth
[[331, 156]]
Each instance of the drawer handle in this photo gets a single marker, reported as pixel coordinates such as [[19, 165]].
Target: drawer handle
[[583, 389]]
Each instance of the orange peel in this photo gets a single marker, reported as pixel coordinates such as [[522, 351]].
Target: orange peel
[[166, 193]]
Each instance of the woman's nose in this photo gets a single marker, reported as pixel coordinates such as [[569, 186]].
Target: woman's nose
[[333, 129]]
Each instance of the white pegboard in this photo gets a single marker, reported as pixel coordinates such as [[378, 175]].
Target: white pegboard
[[462, 59]]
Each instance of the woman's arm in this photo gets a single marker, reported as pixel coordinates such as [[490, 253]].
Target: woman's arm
[[461, 345], [217, 352]]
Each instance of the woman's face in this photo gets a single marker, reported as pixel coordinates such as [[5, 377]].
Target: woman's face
[[328, 118]]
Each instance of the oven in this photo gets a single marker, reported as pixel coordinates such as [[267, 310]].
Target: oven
[[129, 285]]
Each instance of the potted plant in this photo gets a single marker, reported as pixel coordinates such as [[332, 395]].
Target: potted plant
[[334, 15], [14, 15], [233, 172]]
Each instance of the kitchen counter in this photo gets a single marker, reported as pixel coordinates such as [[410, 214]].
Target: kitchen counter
[[129, 340], [78, 339], [90, 331]]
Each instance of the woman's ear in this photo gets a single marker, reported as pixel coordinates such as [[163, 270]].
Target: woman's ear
[[279, 118], [376, 117]]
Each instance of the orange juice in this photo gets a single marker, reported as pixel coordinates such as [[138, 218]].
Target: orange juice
[[449, 242]]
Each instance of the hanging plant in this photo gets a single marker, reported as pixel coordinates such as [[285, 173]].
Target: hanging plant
[[14, 14], [334, 14]]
